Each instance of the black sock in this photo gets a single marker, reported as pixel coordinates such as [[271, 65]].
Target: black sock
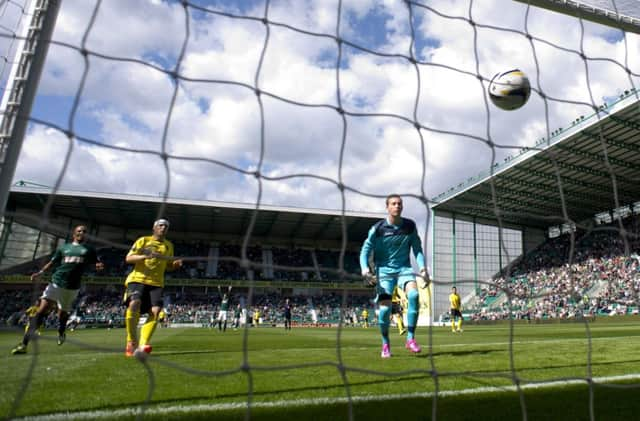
[[62, 323]]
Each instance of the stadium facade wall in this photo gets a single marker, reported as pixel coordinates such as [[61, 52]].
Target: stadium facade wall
[[468, 252]]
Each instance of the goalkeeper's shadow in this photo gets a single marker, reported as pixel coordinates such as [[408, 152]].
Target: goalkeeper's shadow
[[461, 353]]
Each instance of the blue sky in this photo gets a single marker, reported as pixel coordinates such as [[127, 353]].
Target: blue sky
[[217, 116]]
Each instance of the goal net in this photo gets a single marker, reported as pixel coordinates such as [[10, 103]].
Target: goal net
[[332, 105]]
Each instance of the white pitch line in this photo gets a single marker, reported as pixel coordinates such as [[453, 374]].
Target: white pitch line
[[526, 342], [187, 409]]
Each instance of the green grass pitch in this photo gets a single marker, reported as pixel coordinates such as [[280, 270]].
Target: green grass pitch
[[330, 374]]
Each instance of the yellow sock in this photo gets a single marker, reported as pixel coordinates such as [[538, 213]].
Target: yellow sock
[[147, 329], [131, 323], [453, 324], [460, 323], [399, 322]]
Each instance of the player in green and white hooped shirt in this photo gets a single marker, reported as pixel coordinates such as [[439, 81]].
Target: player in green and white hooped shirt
[[224, 308], [70, 261]]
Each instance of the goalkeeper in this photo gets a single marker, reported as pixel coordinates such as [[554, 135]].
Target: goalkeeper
[[390, 241]]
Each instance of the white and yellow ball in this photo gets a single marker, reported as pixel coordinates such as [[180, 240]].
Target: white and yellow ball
[[509, 90]]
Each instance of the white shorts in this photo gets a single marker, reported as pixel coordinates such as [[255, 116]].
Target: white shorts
[[222, 315], [64, 297]]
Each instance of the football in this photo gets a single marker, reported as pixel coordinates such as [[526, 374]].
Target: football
[[509, 90]]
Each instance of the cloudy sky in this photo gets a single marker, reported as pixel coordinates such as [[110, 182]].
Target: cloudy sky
[[217, 132]]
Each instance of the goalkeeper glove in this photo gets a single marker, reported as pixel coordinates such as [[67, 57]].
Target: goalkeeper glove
[[369, 278]]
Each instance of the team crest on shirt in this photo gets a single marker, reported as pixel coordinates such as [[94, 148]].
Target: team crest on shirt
[[150, 248], [74, 259]]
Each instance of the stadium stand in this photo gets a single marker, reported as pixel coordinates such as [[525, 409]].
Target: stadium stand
[[289, 258], [102, 307], [599, 275], [322, 263]]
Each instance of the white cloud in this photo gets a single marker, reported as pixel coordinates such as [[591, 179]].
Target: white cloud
[[126, 103]]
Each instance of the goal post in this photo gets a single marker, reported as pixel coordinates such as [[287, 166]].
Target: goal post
[[22, 85]]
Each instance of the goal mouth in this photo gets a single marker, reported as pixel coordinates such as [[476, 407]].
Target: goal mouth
[[274, 135]]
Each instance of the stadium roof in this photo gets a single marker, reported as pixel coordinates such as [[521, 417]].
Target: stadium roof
[[527, 190], [194, 218], [623, 14]]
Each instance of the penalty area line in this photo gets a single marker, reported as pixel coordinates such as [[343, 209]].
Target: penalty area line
[[187, 409]]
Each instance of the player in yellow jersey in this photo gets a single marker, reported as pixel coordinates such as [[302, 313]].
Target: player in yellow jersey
[[162, 318], [151, 256], [31, 312], [398, 303], [256, 317], [456, 307], [365, 318]]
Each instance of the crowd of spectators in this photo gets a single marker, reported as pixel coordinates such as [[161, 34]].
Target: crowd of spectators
[[286, 263], [597, 274], [191, 305], [103, 307]]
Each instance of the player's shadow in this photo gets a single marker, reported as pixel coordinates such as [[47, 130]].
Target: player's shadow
[[196, 352]]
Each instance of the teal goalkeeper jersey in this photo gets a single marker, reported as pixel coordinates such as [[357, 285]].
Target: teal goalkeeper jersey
[[70, 261], [391, 245]]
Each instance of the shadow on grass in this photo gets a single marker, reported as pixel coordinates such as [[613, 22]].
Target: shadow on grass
[[562, 403], [460, 353]]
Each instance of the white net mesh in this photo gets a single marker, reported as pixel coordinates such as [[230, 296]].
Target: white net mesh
[[315, 104]]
